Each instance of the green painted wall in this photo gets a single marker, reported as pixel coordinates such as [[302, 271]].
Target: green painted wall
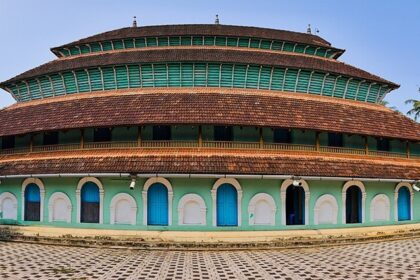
[[202, 187]]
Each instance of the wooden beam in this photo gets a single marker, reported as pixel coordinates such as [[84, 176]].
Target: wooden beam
[[261, 138], [82, 138], [139, 136], [200, 136], [366, 145], [407, 149], [317, 142]]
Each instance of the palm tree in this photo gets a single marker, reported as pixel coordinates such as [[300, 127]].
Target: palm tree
[[386, 104], [415, 111]]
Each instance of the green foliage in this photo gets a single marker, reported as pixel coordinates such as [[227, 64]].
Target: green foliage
[[415, 111]]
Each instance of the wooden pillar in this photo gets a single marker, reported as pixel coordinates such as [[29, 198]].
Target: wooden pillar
[[261, 138], [200, 136], [407, 149], [317, 142], [366, 145], [31, 143], [139, 136], [82, 139]]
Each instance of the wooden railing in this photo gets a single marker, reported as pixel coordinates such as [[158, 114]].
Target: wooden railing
[[252, 146]]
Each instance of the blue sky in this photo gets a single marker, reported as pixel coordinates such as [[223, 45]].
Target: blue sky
[[382, 36]]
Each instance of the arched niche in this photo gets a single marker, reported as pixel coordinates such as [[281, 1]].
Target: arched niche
[[192, 210], [59, 208], [123, 209], [8, 206], [262, 210], [326, 210], [380, 208]]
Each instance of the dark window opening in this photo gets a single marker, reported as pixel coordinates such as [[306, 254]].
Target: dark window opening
[[223, 133], [161, 132], [353, 205], [295, 206], [335, 139], [382, 144], [51, 138], [102, 135], [8, 142], [282, 135]]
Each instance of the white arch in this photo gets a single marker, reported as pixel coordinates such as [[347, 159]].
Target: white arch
[[326, 210], [41, 186], [252, 209], [131, 213], [11, 213], [184, 211], [55, 198], [380, 208], [234, 183], [410, 189], [81, 183], [146, 187], [362, 188], [287, 183]]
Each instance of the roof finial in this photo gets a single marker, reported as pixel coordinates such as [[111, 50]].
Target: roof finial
[[134, 21], [216, 21], [309, 30]]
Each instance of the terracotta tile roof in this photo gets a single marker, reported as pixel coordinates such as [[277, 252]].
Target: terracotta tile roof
[[211, 163], [203, 30], [202, 55], [208, 108]]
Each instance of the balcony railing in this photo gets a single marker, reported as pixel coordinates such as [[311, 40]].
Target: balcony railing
[[251, 146]]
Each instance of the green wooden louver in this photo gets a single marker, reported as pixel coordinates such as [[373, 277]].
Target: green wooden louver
[[198, 74]]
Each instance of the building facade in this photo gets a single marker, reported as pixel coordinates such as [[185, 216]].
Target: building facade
[[205, 127]]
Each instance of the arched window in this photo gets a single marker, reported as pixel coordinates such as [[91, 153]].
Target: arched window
[[227, 205], [157, 205], [90, 203], [295, 205], [32, 203], [353, 205], [8, 206], [404, 204]]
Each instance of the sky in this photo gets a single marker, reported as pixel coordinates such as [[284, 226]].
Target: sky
[[379, 36]]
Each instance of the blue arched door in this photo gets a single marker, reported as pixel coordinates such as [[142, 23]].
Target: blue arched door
[[90, 203], [32, 203], [157, 205], [404, 207], [353, 205], [295, 206], [227, 205]]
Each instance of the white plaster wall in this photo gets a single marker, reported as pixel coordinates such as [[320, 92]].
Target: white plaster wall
[[380, 208], [326, 210]]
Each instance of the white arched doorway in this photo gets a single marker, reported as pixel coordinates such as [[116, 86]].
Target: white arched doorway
[[380, 208], [403, 202], [123, 209], [192, 210], [350, 197], [229, 183], [326, 210], [84, 182], [283, 196], [8, 206], [152, 183], [59, 208], [33, 201], [262, 210]]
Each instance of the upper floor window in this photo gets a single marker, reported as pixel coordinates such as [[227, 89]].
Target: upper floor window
[[50, 138], [8, 142], [223, 133], [382, 144], [335, 139], [102, 134], [161, 132], [282, 135]]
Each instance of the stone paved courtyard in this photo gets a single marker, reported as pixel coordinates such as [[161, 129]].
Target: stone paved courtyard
[[383, 260]]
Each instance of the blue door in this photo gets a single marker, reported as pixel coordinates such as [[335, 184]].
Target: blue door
[[90, 203], [404, 211], [227, 206], [157, 205], [32, 203]]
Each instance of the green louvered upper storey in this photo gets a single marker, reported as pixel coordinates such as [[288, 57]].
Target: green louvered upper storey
[[208, 35], [199, 65]]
